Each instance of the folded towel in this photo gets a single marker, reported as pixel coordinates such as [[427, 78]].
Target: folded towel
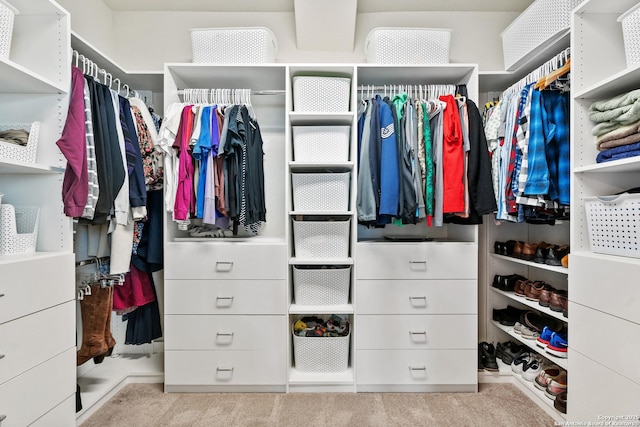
[[629, 139], [619, 132], [623, 109], [612, 104], [622, 152]]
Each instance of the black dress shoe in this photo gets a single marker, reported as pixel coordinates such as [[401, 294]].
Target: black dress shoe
[[508, 283], [555, 255], [489, 357]]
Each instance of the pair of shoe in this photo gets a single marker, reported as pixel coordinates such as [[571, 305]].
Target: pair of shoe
[[525, 331], [560, 402], [530, 289], [508, 351], [553, 381], [504, 248], [525, 364], [550, 254], [537, 321], [506, 283], [487, 357], [553, 342], [507, 316]]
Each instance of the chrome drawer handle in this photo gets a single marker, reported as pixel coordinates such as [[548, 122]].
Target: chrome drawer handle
[[1, 356], [418, 262], [224, 369], [224, 266], [418, 333], [424, 368], [228, 300], [2, 418], [415, 300], [1, 295], [220, 334]]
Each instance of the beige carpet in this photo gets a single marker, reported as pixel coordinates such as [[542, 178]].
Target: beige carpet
[[142, 405]]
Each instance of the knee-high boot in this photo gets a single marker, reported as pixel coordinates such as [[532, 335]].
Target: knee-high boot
[[94, 318], [108, 337]]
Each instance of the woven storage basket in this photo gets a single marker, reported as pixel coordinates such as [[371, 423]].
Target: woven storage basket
[[321, 239], [320, 191], [614, 224], [631, 34], [317, 144], [235, 45], [321, 94], [536, 26], [313, 285], [18, 229], [389, 45], [27, 153], [321, 354], [7, 15]]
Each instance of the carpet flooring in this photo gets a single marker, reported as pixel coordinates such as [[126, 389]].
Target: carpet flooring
[[143, 405]]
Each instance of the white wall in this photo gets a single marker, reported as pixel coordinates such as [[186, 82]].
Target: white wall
[[93, 21]]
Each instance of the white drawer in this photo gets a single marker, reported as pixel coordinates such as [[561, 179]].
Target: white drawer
[[63, 415], [417, 367], [609, 285], [225, 260], [432, 260], [211, 332], [417, 296], [417, 332], [27, 397], [31, 340], [608, 340], [225, 367], [599, 389], [35, 284], [225, 297]]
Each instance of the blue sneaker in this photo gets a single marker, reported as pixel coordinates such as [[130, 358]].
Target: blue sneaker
[[557, 346], [545, 336]]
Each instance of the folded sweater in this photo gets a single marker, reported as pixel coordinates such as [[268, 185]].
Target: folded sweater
[[623, 109], [622, 152]]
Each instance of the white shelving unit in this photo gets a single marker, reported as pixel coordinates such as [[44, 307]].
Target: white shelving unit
[[600, 72], [37, 288]]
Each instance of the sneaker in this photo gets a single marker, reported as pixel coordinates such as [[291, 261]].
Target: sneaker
[[556, 385], [517, 328], [528, 333], [518, 362], [545, 336], [545, 375], [508, 351], [489, 357], [557, 346], [530, 370]]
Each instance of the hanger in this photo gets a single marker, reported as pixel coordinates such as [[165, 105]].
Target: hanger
[[546, 81]]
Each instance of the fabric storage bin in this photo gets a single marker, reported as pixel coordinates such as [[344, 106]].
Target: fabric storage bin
[[320, 191], [326, 285], [321, 239], [315, 144], [631, 35], [613, 224], [26, 153], [321, 94], [389, 45], [234, 45], [7, 15], [536, 26], [18, 229], [321, 354]]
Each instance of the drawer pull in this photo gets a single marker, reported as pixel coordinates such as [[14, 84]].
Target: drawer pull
[[418, 333], [2, 418], [220, 334], [223, 338], [224, 369], [224, 266], [1, 295], [415, 300], [423, 368], [418, 265], [1, 356], [227, 301]]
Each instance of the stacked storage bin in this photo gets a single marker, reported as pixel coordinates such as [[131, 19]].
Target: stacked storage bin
[[321, 176]]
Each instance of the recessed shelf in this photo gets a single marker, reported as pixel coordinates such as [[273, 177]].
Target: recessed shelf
[[16, 258], [532, 304], [18, 79], [320, 309], [617, 84], [540, 266], [542, 398], [631, 164], [321, 378], [562, 362], [321, 261], [12, 166]]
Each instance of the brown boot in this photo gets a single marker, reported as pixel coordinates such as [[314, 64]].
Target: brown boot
[[92, 309], [108, 337]]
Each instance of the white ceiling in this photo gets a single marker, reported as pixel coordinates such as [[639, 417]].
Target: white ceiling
[[364, 6]]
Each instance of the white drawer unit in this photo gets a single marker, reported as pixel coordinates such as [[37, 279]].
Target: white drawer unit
[[27, 397], [62, 415], [253, 367], [417, 367], [417, 296], [433, 260], [28, 341], [224, 261], [225, 297], [228, 333], [41, 284], [416, 332]]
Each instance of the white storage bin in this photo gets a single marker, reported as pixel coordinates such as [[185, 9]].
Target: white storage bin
[[321, 94], [321, 239], [27, 153], [7, 15], [631, 34], [317, 144], [320, 191], [18, 229], [536, 26], [328, 285], [234, 45], [397, 45], [321, 354], [614, 223]]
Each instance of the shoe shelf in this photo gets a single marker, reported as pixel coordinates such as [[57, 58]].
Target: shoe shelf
[[533, 304], [561, 362], [320, 309], [539, 395], [540, 266]]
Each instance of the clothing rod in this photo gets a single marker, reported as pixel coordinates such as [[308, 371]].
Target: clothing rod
[[89, 67], [556, 62], [91, 261], [253, 92], [366, 88]]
